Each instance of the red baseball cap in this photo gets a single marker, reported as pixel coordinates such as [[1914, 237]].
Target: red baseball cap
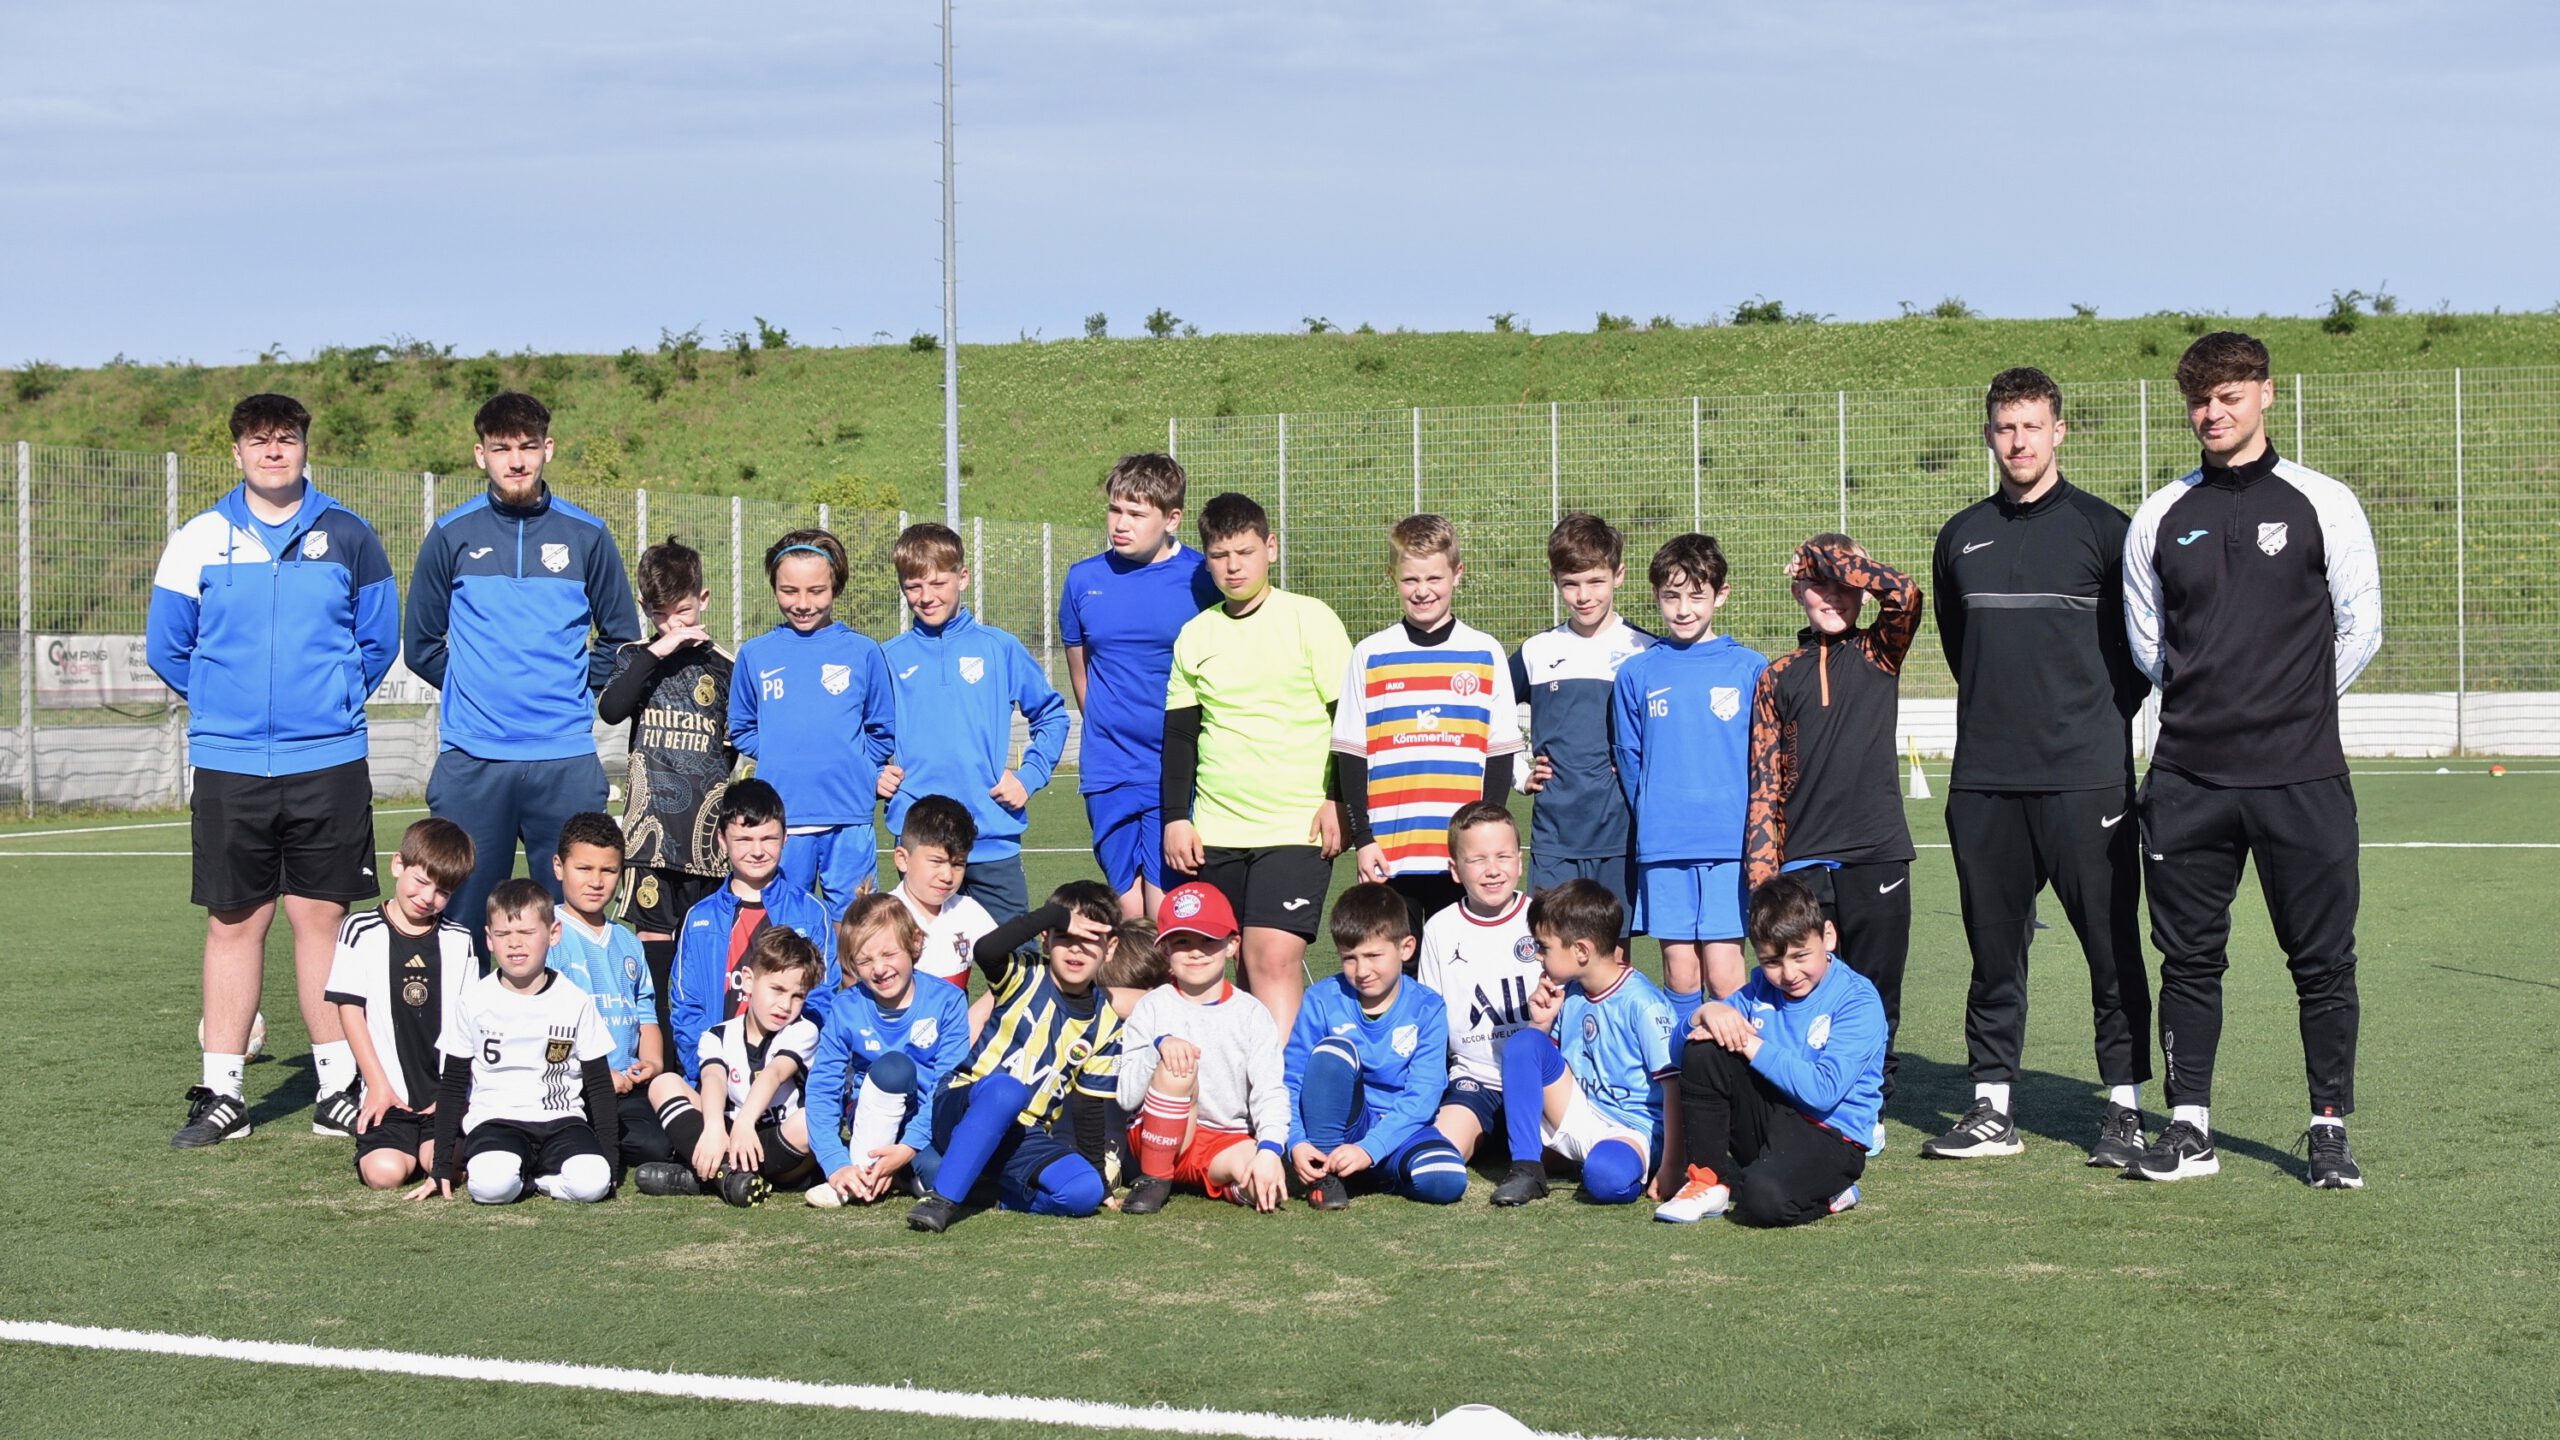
[[1196, 908]]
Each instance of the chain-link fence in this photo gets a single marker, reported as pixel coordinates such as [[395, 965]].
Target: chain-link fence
[[2456, 470], [84, 530]]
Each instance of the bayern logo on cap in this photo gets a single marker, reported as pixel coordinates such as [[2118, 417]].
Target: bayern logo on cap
[[1186, 904]]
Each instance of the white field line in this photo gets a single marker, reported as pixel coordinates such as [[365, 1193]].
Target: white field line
[[877, 1399]]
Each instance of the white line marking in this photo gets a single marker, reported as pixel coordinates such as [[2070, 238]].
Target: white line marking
[[151, 825], [878, 1399]]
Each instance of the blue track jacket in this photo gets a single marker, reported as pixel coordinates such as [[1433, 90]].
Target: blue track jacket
[[1404, 1059], [698, 985], [957, 689]]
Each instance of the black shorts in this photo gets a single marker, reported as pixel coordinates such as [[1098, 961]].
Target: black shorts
[[406, 1131], [1274, 887], [260, 836], [542, 1148], [654, 899]]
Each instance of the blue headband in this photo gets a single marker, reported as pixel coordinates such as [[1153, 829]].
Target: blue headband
[[806, 550]]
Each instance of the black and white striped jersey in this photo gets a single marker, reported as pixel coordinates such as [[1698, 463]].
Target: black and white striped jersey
[[409, 987], [745, 1059], [527, 1051]]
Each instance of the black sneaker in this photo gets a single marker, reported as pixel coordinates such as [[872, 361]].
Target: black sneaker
[[211, 1119], [1526, 1182], [665, 1177], [336, 1112], [1147, 1196], [2333, 1165], [1329, 1193], [2181, 1153], [933, 1215], [744, 1188], [1983, 1132], [2119, 1138]]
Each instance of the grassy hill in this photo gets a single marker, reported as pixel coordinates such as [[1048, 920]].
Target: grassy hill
[[1042, 420]]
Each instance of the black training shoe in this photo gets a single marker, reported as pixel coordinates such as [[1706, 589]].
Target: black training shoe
[[2182, 1152], [1147, 1196], [1982, 1133], [335, 1114], [743, 1188], [2119, 1139], [2333, 1165], [1329, 1193], [933, 1215], [1526, 1182], [211, 1119], [665, 1177]]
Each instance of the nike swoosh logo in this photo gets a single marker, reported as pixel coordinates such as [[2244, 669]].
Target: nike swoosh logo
[[2110, 822], [1665, 690], [1980, 545], [2191, 537], [1296, 905], [476, 554], [910, 670], [1896, 885]]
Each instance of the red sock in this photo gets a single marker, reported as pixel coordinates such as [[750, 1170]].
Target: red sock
[[1161, 1121]]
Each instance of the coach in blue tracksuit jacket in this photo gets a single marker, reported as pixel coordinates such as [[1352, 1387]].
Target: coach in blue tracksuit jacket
[[515, 612], [958, 684], [699, 982]]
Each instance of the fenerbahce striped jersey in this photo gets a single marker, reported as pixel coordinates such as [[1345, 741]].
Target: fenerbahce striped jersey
[[1426, 714]]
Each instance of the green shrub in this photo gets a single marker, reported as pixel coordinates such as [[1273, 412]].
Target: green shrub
[[36, 379], [924, 342], [770, 336], [1097, 326], [1162, 322], [1605, 323], [2346, 311]]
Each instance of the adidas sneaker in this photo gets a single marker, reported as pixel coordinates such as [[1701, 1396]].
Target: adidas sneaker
[[211, 1119], [1981, 1134]]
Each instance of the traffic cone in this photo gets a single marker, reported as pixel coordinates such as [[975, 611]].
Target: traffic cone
[[1919, 777]]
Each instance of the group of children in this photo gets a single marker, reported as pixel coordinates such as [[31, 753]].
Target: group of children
[[769, 1022]]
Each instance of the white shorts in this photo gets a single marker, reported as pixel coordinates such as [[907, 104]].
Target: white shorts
[[1583, 1129]]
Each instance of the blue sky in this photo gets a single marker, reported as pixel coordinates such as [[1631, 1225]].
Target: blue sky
[[202, 181]]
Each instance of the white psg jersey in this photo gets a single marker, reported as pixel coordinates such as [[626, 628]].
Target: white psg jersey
[[1484, 969], [526, 1051], [950, 937], [726, 1045]]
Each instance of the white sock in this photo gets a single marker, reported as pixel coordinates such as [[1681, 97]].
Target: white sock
[[2338, 1120], [877, 1114], [2128, 1096], [335, 1062], [2200, 1116], [222, 1073], [1998, 1095]]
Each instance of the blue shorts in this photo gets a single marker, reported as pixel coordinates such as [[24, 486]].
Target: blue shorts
[[1128, 835], [998, 884], [1691, 900], [834, 864], [1613, 871], [1478, 1099]]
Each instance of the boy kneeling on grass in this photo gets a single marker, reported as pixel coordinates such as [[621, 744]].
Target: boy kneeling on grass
[[1782, 1080]]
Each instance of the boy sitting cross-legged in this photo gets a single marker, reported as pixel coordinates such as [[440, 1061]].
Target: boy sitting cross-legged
[[889, 1042], [522, 1052], [1200, 1065], [1050, 1053], [1480, 959], [396, 980], [1367, 1061], [1782, 1079], [1586, 1077], [744, 1128]]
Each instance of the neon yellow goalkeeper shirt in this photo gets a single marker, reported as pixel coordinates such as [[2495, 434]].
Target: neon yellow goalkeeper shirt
[[1262, 682]]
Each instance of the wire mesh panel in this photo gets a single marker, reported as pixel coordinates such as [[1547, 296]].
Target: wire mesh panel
[[1006, 569], [2389, 438], [2510, 508]]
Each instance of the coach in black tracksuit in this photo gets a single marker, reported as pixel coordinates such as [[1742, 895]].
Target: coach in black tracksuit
[[2030, 603], [2253, 598]]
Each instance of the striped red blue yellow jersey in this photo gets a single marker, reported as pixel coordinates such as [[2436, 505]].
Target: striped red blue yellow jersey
[[1426, 716]]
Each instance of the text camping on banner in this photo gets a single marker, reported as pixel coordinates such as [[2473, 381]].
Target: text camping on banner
[[87, 672]]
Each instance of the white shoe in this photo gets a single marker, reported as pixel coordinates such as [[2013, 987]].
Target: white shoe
[[1698, 1200], [823, 1196]]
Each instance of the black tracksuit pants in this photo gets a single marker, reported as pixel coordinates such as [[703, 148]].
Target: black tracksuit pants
[[2007, 847], [2195, 838], [1870, 906], [1783, 1169]]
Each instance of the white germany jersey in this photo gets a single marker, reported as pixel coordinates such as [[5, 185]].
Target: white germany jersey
[[1483, 969], [726, 1044], [951, 937], [410, 988], [526, 1051]]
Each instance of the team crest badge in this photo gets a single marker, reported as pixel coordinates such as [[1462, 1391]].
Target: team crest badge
[[631, 967], [1590, 1028], [1186, 905], [1525, 950], [648, 892], [555, 558], [835, 678], [1819, 1033], [413, 993], [2271, 536], [925, 1031], [1405, 1038], [556, 1052], [973, 668], [704, 688], [1725, 700], [1464, 683], [315, 545]]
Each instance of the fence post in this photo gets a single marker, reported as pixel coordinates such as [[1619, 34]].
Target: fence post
[[1048, 612], [737, 562], [2298, 453], [1171, 425], [1417, 459], [26, 623], [640, 516], [172, 458], [1697, 468], [2461, 581], [978, 572], [824, 516], [427, 500], [1284, 501], [905, 616], [1555, 493], [1843, 398], [175, 732]]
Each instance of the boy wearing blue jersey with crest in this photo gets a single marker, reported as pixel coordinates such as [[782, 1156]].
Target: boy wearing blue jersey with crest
[[1587, 1078], [1367, 1060], [1567, 676], [889, 1041], [810, 702], [1783, 1080], [1683, 744], [608, 962], [1117, 616]]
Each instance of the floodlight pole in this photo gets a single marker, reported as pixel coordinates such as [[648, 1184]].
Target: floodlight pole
[[950, 302]]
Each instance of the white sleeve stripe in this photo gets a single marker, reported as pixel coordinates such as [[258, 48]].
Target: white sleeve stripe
[[2355, 570]]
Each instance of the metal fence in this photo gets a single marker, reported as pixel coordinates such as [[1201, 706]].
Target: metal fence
[[2459, 472], [86, 529]]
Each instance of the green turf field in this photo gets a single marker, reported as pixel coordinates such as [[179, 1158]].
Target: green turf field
[[2026, 1296]]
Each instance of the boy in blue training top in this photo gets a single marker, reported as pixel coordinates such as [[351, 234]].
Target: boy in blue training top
[[1783, 1079], [958, 684], [1117, 616], [709, 980], [811, 704], [1683, 737], [889, 1044], [1367, 1060], [1587, 1078], [1568, 677]]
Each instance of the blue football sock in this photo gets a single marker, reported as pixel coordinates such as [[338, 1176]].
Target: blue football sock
[[1530, 1063], [1432, 1172], [995, 1104], [1066, 1186], [1613, 1173], [1329, 1094]]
